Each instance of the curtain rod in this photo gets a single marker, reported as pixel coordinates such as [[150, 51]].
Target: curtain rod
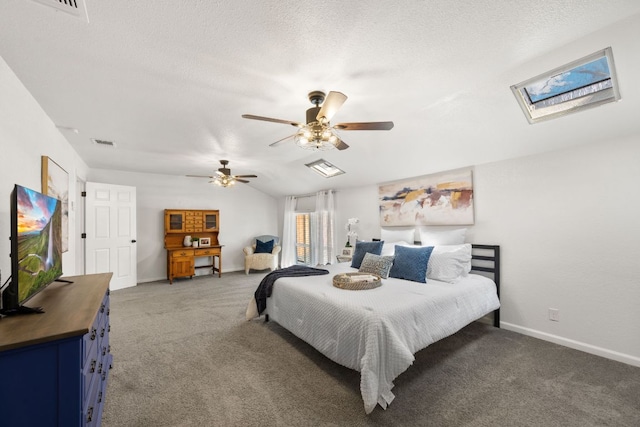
[[313, 194]]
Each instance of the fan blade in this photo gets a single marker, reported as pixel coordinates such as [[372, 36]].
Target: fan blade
[[331, 104], [365, 126], [200, 176], [242, 180], [245, 176], [269, 119], [281, 140], [341, 145]]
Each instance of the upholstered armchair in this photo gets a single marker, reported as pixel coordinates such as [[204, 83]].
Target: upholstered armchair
[[262, 254]]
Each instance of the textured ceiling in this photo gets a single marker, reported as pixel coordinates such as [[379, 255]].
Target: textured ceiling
[[168, 81]]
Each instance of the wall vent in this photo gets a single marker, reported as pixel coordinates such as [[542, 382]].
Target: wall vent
[[77, 8], [103, 143]]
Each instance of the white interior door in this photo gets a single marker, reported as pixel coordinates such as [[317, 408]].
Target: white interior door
[[111, 232], [78, 209]]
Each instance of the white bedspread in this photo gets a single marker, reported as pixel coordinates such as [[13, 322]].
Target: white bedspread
[[377, 331]]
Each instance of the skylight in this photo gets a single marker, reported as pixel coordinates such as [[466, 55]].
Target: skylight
[[325, 168], [581, 84]]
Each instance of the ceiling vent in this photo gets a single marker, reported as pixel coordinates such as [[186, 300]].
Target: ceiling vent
[[103, 143], [77, 8]]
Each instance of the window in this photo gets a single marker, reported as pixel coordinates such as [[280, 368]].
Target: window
[[314, 230], [581, 84], [303, 239]]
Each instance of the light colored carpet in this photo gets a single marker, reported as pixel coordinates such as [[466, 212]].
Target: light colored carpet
[[185, 356]]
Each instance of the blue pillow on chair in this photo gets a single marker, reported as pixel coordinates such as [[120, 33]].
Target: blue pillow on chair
[[362, 248], [264, 247], [411, 263]]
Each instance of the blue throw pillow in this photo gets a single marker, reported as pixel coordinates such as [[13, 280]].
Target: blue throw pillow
[[411, 263], [264, 247], [362, 248]]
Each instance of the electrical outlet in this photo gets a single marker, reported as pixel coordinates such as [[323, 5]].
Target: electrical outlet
[[554, 314]]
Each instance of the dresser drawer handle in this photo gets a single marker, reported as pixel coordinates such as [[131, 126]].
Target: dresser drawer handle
[[101, 332], [100, 397], [94, 332], [93, 366], [109, 327], [104, 351], [89, 414], [100, 368], [108, 311]]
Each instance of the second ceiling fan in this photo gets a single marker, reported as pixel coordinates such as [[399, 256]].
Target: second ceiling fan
[[317, 133], [223, 176]]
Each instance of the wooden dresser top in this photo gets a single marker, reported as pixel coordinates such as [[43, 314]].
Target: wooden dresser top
[[70, 310]]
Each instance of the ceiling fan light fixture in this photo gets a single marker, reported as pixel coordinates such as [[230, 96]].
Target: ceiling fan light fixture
[[318, 134], [223, 177], [224, 180], [317, 137]]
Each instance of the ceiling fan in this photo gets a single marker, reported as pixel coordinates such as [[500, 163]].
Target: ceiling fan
[[317, 133], [223, 176]]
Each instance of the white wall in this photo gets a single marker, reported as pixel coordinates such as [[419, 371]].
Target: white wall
[[244, 214], [568, 227], [26, 134], [567, 222]]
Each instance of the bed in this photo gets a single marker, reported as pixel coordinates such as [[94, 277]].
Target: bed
[[378, 331]]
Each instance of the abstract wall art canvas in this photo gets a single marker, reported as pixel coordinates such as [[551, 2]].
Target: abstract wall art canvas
[[440, 199], [55, 183]]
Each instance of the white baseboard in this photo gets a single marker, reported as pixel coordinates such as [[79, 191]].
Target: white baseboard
[[116, 288], [158, 279], [577, 345], [151, 279]]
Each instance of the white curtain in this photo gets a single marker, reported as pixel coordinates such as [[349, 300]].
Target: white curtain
[[289, 233], [323, 230]]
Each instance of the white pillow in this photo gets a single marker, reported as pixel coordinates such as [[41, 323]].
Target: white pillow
[[448, 237], [448, 263], [398, 235], [389, 248]]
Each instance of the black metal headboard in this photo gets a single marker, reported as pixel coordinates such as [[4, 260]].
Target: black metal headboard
[[486, 259]]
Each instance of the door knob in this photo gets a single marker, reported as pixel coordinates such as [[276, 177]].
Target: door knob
[[133, 241]]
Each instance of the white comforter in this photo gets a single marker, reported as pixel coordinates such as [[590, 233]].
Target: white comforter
[[377, 331]]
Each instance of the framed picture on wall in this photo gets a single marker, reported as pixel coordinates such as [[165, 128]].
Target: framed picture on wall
[[55, 183], [444, 198]]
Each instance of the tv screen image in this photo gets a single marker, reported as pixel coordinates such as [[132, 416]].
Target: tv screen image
[[36, 246]]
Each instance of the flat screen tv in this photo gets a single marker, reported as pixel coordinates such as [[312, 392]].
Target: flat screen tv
[[36, 248]]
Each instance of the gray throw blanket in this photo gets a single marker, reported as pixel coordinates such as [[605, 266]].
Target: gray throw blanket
[[266, 285]]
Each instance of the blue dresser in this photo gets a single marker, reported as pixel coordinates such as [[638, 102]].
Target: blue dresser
[[54, 366]]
